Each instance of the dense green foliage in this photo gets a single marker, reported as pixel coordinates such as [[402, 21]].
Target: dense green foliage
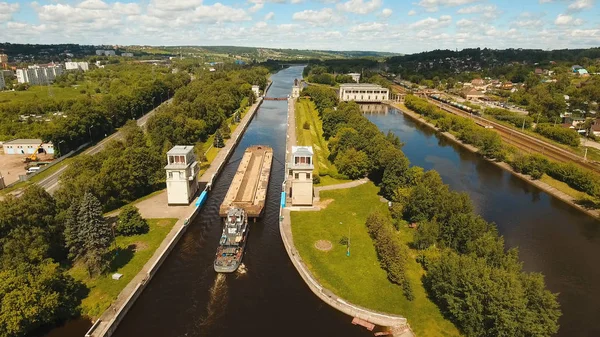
[[472, 282], [393, 255], [130, 222], [578, 178], [124, 171], [121, 92], [487, 141], [562, 135], [34, 290], [354, 164], [514, 118]]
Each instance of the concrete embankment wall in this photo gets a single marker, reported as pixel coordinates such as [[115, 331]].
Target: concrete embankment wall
[[539, 184], [285, 228], [107, 324]]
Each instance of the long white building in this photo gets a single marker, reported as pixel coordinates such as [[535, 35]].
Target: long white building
[[363, 93], [84, 66], [39, 75]]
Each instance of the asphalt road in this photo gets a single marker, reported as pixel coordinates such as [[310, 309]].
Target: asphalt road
[[51, 182]]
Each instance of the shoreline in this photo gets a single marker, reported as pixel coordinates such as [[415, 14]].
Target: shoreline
[[537, 183]]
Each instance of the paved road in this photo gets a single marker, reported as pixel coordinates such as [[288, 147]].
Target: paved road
[[51, 182]]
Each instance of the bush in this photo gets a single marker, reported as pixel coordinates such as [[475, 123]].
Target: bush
[[316, 179], [130, 222], [306, 125], [558, 133]]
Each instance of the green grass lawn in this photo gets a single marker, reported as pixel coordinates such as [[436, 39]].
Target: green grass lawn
[[103, 289], [359, 278], [45, 92], [307, 112]]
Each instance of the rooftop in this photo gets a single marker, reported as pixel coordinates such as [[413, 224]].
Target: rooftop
[[302, 150], [361, 85], [25, 141], [180, 150]]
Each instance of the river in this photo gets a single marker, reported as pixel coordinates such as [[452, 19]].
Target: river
[[553, 237], [187, 298]]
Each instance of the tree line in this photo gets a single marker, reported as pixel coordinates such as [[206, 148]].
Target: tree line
[[469, 275], [116, 94]]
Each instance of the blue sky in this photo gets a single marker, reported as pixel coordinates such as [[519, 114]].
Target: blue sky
[[402, 26]]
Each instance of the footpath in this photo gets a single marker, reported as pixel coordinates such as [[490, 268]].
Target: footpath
[[398, 325], [156, 207]]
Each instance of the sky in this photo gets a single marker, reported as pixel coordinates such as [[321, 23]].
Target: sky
[[400, 26]]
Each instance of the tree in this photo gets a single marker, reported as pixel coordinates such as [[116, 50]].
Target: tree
[[352, 163], [34, 295], [131, 222], [218, 140], [89, 235]]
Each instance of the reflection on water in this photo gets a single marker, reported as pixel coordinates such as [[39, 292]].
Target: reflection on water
[[374, 108], [553, 237]]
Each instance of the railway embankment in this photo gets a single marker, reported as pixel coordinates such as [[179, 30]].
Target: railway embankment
[[539, 184]]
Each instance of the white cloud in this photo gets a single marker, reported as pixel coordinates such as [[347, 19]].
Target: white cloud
[[369, 27], [386, 12], [93, 4], [438, 3], [7, 10], [360, 6], [321, 17], [269, 16], [433, 23], [488, 11], [564, 19], [412, 12], [580, 5], [527, 23]]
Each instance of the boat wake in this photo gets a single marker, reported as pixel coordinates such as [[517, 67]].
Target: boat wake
[[217, 301], [242, 270]]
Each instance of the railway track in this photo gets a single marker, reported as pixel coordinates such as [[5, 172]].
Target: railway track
[[522, 141]]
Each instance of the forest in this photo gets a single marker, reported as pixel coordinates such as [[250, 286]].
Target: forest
[[474, 280]]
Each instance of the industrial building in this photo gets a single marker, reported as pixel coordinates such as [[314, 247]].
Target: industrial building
[[127, 54], [2, 82], [102, 52], [38, 75], [28, 146], [301, 175], [83, 66], [182, 171], [363, 93]]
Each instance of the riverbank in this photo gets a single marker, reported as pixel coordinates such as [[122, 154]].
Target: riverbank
[[107, 323], [538, 183]]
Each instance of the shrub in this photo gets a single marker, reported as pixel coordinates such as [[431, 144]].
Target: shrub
[[306, 125], [130, 222], [316, 179], [562, 135], [354, 164]]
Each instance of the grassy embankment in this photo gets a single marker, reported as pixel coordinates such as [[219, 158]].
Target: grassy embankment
[[580, 197], [359, 278], [306, 112], [134, 252]]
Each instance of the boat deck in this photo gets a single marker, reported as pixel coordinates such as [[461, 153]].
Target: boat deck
[[249, 186]]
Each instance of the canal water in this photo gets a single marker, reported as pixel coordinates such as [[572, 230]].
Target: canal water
[[553, 237], [187, 298]]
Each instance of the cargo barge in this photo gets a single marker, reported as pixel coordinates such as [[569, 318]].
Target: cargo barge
[[248, 189]]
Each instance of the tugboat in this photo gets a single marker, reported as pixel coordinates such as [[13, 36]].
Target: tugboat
[[233, 241]]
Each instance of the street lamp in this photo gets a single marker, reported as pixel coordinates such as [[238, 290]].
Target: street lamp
[[90, 131], [347, 241], [59, 150]]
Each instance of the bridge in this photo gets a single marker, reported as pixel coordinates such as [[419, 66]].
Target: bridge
[[275, 98]]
